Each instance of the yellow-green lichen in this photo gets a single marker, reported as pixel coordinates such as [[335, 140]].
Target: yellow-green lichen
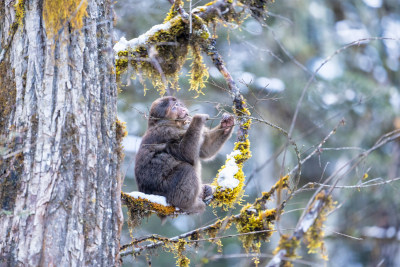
[[172, 13], [227, 197], [164, 51], [288, 244], [139, 208], [218, 227], [178, 248], [243, 111], [160, 58], [251, 220], [20, 11], [57, 13], [182, 260], [314, 237], [198, 72]]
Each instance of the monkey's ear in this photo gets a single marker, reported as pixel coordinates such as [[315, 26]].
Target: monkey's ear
[[159, 108]]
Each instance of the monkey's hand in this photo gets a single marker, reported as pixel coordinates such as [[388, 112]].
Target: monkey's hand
[[208, 193], [227, 122], [200, 118]]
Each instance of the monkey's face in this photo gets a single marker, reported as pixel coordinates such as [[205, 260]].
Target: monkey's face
[[169, 108], [177, 110]]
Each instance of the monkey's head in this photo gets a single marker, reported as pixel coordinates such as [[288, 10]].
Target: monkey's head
[[168, 108]]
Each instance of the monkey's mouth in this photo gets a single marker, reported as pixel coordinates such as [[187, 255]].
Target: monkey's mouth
[[187, 119]]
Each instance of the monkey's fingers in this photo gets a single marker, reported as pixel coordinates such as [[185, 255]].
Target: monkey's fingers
[[207, 200], [227, 120]]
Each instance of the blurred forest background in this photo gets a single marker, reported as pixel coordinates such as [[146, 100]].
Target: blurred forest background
[[271, 63]]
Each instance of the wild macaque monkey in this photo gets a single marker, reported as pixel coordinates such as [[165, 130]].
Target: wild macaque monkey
[[168, 160]]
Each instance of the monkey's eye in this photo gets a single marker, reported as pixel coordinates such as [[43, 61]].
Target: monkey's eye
[[174, 106]]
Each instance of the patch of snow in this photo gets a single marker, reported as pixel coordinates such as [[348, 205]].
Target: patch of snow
[[152, 198], [226, 177], [123, 44]]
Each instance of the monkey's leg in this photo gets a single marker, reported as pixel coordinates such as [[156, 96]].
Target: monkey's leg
[[185, 189]]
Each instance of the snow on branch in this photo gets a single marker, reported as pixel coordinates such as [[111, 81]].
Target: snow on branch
[[142, 205]]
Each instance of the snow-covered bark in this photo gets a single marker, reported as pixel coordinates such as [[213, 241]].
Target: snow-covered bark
[[59, 173]]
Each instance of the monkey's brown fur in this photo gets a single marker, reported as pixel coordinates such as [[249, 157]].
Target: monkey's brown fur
[[168, 160]]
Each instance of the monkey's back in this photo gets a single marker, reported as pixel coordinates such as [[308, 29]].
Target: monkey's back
[[155, 160]]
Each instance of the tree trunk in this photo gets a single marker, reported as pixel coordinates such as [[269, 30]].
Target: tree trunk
[[59, 166]]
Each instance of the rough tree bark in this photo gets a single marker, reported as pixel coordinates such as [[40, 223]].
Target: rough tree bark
[[59, 165]]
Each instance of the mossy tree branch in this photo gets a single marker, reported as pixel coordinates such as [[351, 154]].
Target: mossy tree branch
[[309, 227], [254, 224]]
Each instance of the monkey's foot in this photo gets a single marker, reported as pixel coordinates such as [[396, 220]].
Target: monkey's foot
[[208, 193]]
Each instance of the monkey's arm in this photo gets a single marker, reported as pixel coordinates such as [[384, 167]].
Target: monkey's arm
[[216, 137], [190, 144]]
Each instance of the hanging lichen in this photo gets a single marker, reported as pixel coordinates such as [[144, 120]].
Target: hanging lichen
[[172, 13], [140, 208], [289, 245], [157, 55], [178, 248], [314, 237], [198, 72], [60, 13], [251, 220]]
